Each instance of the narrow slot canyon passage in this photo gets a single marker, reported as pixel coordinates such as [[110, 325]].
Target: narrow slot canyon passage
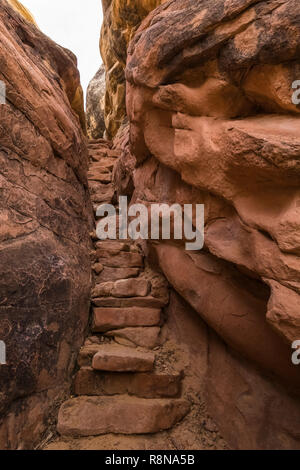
[[131, 364], [141, 343]]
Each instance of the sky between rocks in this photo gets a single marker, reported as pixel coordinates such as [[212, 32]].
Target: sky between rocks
[[74, 24]]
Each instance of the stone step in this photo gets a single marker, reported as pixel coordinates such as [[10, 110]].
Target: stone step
[[115, 274], [105, 162], [95, 186], [144, 385], [92, 148], [122, 288], [96, 157], [141, 302], [92, 416], [102, 152], [96, 154], [101, 176], [117, 358], [99, 151], [115, 259], [114, 153], [100, 192], [102, 166], [144, 337], [113, 245], [99, 142], [98, 166], [106, 319]]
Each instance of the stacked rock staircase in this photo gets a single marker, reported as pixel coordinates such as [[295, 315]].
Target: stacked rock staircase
[[123, 384]]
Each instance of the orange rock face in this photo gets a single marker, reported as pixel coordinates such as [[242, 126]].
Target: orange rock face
[[209, 99], [22, 10], [44, 229], [85, 416], [120, 21]]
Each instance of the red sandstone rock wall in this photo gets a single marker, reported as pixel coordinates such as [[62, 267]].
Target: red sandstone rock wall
[[44, 243], [212, 121]]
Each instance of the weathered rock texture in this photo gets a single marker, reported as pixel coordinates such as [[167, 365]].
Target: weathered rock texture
[[86, 416], [22, 10], [95, 101], [110, 384], [120, 21], [212, 122], [44, 242]]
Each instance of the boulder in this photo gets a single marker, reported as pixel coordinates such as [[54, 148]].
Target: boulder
[[116, 259], [139, 302], [143, 385], [144, 337], [122, 288], [117, 358], [95, 102], [131, 288], [106, 319]]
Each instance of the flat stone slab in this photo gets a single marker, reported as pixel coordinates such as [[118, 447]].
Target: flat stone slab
[[144, 385], [122, 259], [117, 358], [105, 162], [151, 302], [113, 245], [92, 416], [131, 288], [145, 337], [122, 288], [106, 319], [114, 274]]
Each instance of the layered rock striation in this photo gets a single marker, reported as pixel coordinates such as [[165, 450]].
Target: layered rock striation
[[211, 121], [22, 10], [120, 21], [209, 100]]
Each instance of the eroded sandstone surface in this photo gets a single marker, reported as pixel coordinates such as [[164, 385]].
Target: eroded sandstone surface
[[209, 99], [44, 228]]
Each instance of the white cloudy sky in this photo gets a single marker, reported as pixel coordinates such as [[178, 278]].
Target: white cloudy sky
[[74, 24]]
